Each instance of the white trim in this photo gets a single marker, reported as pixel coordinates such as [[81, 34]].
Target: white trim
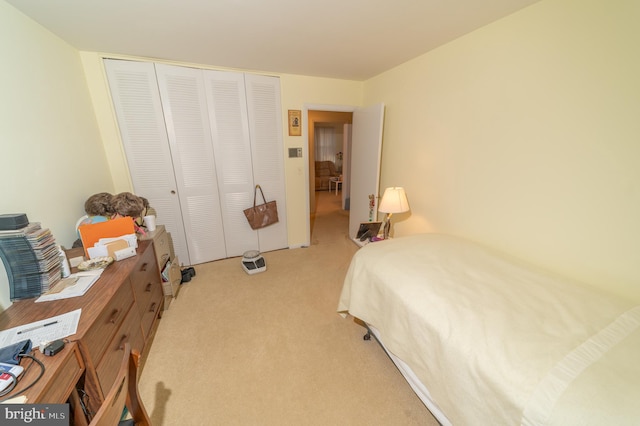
[[298, 246]]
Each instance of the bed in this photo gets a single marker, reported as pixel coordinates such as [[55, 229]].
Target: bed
[[483, 338]]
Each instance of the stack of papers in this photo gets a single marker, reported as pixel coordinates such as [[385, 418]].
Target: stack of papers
[[33, 260], [46, 330], [106, 247], [73, 286]]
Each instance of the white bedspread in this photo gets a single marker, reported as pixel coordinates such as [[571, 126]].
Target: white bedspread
[[494, 340]]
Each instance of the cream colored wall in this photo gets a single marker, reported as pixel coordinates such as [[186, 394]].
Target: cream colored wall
[[524, 135], [52, 155], [295, 92], [298, 91]]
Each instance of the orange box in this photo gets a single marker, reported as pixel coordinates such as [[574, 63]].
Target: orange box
[[90, 234]]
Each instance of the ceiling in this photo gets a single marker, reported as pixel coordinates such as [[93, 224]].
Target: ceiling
[[346, 39]]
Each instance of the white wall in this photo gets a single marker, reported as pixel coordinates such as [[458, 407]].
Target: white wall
[[52, 155], [525, 135]]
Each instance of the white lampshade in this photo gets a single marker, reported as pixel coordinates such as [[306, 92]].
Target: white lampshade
[[394, 200]]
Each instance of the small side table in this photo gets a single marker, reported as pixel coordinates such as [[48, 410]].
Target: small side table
[[337, 181]]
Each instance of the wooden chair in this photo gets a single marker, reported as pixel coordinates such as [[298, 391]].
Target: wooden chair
[[124, 392]]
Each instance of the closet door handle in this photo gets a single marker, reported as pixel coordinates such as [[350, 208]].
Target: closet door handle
[[173, 192]]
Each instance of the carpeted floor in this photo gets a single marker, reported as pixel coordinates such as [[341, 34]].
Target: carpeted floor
[[270, 349]]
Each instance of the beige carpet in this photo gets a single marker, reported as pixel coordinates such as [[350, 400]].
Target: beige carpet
[[270, 349]]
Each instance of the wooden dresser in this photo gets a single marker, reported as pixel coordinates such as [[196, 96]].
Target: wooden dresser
[[124, 305]]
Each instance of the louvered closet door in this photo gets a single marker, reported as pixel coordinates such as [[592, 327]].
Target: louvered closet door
[[226, 101], [185, 108], [267, 152], [136, 101]]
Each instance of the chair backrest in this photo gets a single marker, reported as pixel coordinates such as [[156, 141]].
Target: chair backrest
[[124, 392], [325, 168]]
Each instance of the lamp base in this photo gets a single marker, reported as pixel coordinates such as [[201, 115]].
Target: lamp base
[[387, 227]]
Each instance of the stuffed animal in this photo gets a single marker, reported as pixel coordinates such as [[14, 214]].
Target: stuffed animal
[[128, 204], [99, 208], [148, 210], [103, 206]]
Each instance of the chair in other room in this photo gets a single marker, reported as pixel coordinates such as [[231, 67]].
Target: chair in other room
[[124, 392], [324, 171]]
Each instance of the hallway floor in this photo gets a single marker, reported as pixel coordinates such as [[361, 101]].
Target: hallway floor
[[330, 222]]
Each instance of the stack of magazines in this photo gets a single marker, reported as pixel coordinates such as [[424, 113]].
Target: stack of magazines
[[31, 259]]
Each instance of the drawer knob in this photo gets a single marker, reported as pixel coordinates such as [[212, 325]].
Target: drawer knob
[[148, 288], [123, 340], [143, 268], [153, 307], [114, 316]]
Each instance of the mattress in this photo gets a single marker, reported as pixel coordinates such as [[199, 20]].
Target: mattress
[[494, 340]]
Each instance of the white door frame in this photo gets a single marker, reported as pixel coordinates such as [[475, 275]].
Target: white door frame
[[305, 153]]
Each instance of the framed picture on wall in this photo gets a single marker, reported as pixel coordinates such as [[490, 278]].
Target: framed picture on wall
[[295, 122]]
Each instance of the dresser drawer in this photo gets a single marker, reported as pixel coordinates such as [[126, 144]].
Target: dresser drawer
[[149, 312], [171, 287], [108, 322], [162, 248], [145, 280], [130, 332]]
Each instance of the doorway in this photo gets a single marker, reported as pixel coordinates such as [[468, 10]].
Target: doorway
[[330, 122], [362, 177], [329, 133]]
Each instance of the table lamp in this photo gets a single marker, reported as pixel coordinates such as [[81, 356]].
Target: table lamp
[[394, 200]]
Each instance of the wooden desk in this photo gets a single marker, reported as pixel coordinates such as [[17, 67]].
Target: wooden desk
[[122, 306]]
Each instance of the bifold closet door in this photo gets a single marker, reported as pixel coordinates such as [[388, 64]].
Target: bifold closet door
[[197, 142], [136, 100], [245, 116], [185, 110], [267, 152], [226, 101]]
